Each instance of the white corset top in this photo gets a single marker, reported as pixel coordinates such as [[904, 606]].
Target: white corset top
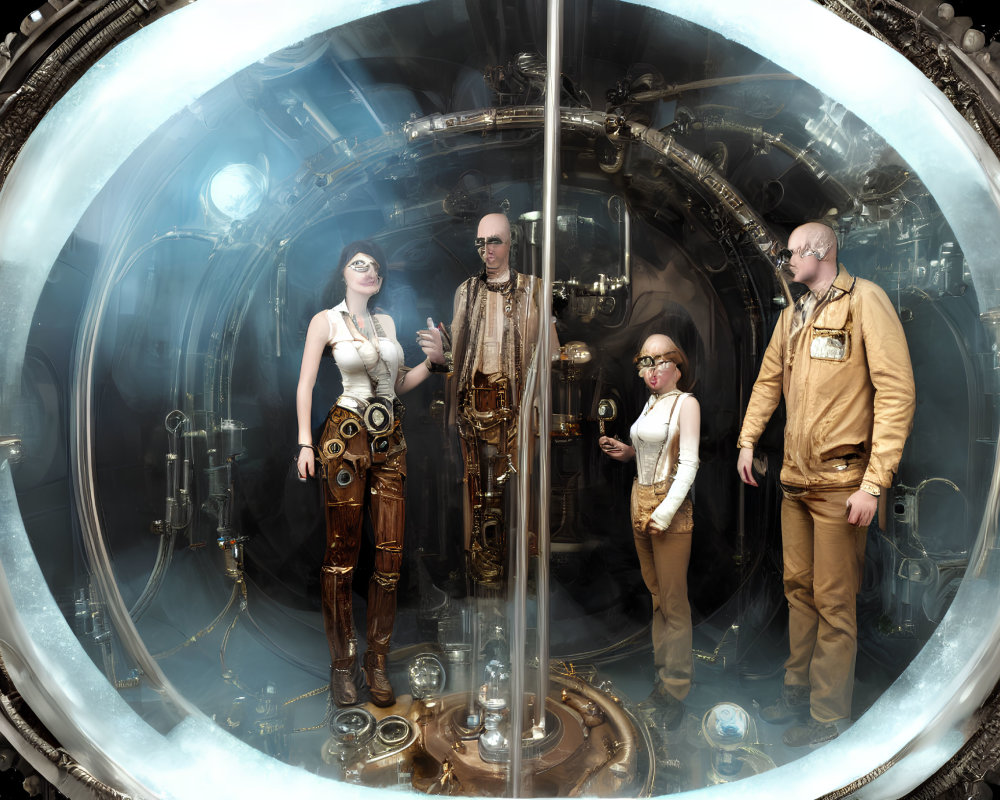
[[656, 427], [361, 360]]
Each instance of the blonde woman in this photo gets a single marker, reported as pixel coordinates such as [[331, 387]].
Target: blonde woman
[[665, 446]]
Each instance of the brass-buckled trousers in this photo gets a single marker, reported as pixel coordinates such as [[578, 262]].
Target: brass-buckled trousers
[[360, 477], [487, 428]]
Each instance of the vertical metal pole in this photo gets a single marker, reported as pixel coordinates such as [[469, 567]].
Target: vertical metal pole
[[540, 376], [627, 250], [519, 578], [475, 665], [550, 205]]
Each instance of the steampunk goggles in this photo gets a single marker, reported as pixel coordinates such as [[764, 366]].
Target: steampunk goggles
[[482, 242], [658, 362], [363, 265]]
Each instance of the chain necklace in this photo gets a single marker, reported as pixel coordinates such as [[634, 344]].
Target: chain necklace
[[373, 333], [470, 339], [364, 329], [505, 288]]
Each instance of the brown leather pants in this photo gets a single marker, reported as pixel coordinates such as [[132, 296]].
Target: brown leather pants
[[357, 477]]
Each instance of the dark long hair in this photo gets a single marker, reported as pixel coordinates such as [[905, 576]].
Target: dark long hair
[[336, 287]]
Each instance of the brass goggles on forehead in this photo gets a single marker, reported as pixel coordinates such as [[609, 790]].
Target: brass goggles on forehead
[[363, 265], [659, 361], [481, 242]]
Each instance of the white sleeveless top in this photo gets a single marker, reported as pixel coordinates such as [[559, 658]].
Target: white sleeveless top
[[359, 359], [652, 434]]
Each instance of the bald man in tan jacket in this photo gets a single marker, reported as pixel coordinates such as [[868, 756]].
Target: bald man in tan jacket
[[840, 359]]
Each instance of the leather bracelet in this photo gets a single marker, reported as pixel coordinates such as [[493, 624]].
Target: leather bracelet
[[445, 367], [300, 445]]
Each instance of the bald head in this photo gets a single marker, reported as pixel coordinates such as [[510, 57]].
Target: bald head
[[814, 255], [657, 344], [493, 243], [814, 236], [494, 225]]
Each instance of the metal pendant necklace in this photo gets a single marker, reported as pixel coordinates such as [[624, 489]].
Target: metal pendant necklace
[[505, 288]]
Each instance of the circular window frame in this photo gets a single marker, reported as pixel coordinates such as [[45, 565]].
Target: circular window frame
[[882, 760]]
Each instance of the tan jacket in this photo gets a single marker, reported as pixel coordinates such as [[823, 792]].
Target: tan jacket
[[848, 386]]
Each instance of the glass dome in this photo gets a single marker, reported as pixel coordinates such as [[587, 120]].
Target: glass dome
[[167, 236]]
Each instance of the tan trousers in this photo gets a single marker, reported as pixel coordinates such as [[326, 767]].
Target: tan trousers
[[824, 560], [663, 560]]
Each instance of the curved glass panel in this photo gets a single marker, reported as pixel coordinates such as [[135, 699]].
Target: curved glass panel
[[157, 530]]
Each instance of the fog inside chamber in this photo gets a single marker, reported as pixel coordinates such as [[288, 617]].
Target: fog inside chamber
[[157, 302]]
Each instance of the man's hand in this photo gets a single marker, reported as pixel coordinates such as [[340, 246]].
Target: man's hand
[[861, 508], [429, 340], [744, 466]]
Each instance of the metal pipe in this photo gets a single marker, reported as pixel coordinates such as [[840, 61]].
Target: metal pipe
[[845, 201], [627, 248], [626, 746], [697, 170], [520, 560], [677, 89], [280, 294], [550, 207], [537, 386], [83, 470], [915, 529]]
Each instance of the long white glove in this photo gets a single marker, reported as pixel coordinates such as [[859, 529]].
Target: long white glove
[[687, 468]]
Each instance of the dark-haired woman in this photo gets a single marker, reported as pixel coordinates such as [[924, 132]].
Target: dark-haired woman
[[362, 455]]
